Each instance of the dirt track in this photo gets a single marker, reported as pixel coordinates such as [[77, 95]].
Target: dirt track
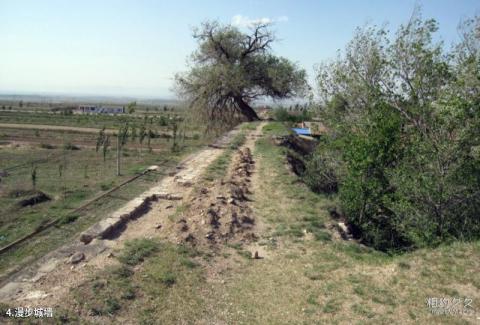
[[48, 281], [54, 128]]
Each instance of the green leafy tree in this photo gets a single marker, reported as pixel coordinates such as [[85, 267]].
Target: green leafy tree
[[231, 69], [405, 118]]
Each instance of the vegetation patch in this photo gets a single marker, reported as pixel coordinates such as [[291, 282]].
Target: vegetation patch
[[218, 168], [136, 250]]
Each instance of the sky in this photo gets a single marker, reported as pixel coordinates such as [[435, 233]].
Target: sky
[[134, 48]]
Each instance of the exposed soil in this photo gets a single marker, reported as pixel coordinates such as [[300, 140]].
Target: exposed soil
[[221, 213], [35, 198]]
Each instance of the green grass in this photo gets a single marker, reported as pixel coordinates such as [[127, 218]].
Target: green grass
[[218, 168], [332, 281], [161, 291], [136, 250]]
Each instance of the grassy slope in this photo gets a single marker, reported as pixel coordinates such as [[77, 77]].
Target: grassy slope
[[305, 278], [329, 281]]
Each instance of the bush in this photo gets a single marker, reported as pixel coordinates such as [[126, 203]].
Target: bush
[[406, 115], [366, 193], [321, 170], [282, 115]]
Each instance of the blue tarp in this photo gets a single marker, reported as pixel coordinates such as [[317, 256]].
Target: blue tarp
[[302, 131]]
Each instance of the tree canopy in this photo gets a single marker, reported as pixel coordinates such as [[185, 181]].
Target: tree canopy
[[230, 69], [405, 119]]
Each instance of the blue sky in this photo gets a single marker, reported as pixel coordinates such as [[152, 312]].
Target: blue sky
[[134, 48]]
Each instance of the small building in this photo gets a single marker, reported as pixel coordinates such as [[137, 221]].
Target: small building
[[94, 109]]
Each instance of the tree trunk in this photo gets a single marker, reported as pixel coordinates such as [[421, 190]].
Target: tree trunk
[[246, 110], [118, 155]]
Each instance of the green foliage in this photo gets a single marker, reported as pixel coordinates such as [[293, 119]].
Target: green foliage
[[404, 118], [282, 115], [366, 192], [321, 169], [131, 107], [69, 218], [232, 68]]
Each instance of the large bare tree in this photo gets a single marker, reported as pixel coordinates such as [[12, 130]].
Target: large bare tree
[[230, 69]]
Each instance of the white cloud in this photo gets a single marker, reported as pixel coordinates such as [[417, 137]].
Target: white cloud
[[244, 21]]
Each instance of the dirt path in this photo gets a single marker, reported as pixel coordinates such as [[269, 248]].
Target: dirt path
[[54, 128], [49, 280]]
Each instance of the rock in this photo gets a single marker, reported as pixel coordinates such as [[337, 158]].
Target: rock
[[85, 238], [110, 255], [158, 226], [77, 258], [204, 191], [344, 231]]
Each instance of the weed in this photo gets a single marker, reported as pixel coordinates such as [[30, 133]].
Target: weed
[[136, 250], [331, 306]]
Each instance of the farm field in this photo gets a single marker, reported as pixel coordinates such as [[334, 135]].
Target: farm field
[[69, 171], [80, 120]]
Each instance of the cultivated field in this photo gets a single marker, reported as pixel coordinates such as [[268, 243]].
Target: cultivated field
[[50, 166]]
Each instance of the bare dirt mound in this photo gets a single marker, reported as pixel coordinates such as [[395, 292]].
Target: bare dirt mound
[[221, 213]]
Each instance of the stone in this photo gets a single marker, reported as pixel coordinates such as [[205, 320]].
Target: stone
[[86, 238], [77, 258]]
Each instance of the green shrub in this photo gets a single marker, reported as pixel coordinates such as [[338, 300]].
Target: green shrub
[[321, 171], [282, 115]]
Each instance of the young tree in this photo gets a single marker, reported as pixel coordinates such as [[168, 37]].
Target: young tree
[[106, 144], [232, 68], [131, 107], [174, 126], [100, 139], [34, 177], [142, 133], [150, 135], [122, 138]]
